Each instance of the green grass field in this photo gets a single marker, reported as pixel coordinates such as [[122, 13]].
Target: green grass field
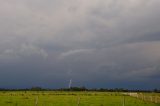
[[53, 98]]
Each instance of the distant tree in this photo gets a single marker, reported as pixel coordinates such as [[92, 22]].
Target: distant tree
[[155, 90], [36, 89]]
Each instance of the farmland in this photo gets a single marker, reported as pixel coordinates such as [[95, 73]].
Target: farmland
[[61, 98]]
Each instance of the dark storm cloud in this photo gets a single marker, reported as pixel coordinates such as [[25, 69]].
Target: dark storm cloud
[[97, 43], [150, 37]]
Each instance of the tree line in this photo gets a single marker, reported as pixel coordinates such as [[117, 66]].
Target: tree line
[[82, 89]]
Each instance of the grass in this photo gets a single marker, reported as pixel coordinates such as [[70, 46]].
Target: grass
[[53, 98]]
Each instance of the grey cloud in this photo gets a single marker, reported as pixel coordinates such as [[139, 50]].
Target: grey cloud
[[151, 37], [87, 40]]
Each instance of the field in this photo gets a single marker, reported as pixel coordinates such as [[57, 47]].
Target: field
[[53, 98]]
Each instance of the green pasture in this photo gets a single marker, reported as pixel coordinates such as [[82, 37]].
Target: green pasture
[[53, 98]]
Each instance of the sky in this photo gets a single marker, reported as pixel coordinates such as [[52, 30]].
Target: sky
[[96, 43]]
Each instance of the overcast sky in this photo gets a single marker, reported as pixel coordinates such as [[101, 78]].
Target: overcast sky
[[96, 43]]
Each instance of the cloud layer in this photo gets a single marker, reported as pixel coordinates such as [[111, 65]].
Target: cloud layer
[[97, 43]]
